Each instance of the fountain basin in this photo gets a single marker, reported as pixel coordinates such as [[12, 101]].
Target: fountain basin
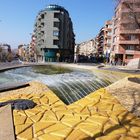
[[68, 84]]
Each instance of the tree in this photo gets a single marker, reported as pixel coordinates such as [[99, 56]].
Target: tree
[[133, 15], [9, 57]]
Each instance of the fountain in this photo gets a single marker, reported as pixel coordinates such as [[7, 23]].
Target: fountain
[[69, 85]]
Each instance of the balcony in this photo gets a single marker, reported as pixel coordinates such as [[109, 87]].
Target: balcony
[[137, 9], [124, 21], [42, 29], [100, 49], [108, 29], [137, 31], [126, 10], [109, 22], [107, 36], [129, 1], [108, 44], [132, 52], [129, 42], [56, 20]]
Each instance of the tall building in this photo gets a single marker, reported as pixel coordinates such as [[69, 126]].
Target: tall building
[[32, 49], [21, 52], [108, 39], [126, 31], [104, 38], [54, 34], [100, 39]]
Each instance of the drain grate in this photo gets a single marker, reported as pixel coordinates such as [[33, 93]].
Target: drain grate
[[19, 104]]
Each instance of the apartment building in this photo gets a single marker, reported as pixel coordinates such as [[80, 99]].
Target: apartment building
[[5, 52], [100, 40], [54, 34], [21, 52], [32, 49], [87, 48], [126, 31], [108, 39]]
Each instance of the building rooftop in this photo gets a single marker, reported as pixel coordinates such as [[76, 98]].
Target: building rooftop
[[53, 7]]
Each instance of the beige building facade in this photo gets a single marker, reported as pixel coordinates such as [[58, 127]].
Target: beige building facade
[[87, 48]]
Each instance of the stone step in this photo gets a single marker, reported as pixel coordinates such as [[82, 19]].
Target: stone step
[[17, 85], [6, 123]]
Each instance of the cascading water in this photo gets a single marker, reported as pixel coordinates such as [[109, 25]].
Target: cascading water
[[69, 87]]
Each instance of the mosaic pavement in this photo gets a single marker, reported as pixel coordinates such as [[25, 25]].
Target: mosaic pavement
[[97, 116]]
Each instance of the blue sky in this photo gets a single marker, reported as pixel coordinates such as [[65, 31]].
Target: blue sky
[[17, 18]]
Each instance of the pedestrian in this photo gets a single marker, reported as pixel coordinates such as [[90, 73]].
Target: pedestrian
[[58, 57], [75, 58]]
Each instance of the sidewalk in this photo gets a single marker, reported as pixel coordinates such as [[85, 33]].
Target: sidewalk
[[121, 69], [10, 65], [85, 66]]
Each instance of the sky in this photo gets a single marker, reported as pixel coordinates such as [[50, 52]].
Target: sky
[[17, 18]]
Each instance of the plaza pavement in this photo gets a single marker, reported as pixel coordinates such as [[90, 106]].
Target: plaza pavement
[[99, 115]]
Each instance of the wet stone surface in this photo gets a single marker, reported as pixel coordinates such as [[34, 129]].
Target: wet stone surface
[[19, 104]]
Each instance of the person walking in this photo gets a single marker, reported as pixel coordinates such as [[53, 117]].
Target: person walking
[[58, 57]]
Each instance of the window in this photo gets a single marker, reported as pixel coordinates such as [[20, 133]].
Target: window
[[42, 33], [56, 15], [129, 26], [109, 41], [130, 47], [115, 30], [129, 56], [115, 21], [137, 5], [55, 33], [42, 16], [109, 33], [42, 24], [55, 42], [109, 26], [114, 39], [132, 37], [56, 24]]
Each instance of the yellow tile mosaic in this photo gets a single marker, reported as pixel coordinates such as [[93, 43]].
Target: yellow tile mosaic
[[97, 116]]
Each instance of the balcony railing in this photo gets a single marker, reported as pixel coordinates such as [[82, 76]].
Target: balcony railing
[[132, 52], [137, 31], [137, 9], [129, 42], [124, 21], [56, 20], [130, 1], [108, 29], [109, 22], [107, 36]]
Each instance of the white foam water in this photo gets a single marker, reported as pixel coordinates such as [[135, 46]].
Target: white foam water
[[70, 87]]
